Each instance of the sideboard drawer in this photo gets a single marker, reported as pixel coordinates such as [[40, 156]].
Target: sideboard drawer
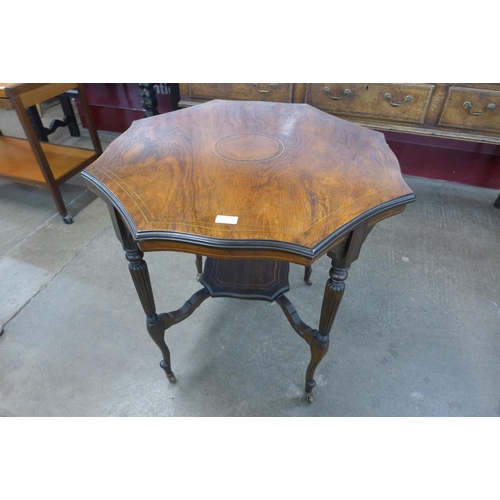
[[401, 102], [471, 109], [275, 92]]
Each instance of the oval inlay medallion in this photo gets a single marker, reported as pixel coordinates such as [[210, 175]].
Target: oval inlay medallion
[[248, 147]]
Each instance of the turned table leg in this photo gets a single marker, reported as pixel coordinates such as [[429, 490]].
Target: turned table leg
[[307, 275], [334, 290], [346, 252], [199, 267], [140, 276]]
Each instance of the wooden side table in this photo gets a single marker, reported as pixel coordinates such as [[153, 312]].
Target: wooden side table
[[252, 186], [30, 161]]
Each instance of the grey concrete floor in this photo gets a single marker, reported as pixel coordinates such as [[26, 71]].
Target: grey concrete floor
[[417, 334]]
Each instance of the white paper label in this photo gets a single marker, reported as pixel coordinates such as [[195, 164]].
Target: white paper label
[[226, 219]]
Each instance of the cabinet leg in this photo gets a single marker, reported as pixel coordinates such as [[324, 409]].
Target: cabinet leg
[[497, 201], [69, 115], [37, 123]]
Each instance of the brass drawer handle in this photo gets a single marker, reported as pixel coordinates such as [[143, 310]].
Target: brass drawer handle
[[468, 105], [388, 96], [271, 86], [326, 90]]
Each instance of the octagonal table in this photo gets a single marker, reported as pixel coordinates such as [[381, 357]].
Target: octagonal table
[[252, 186]]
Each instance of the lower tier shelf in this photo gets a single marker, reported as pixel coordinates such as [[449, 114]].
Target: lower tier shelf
[[256, 279], [18, 162]]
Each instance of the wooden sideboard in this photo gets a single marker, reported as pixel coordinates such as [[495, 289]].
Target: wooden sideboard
[[460, 111]]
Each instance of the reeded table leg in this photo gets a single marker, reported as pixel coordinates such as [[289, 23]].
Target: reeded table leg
[[334, 291], [318, 340], [138, 268], [140, 276]]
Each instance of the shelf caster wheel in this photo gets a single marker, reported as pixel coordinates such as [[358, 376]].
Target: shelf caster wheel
[[310, 399], [68, 219]]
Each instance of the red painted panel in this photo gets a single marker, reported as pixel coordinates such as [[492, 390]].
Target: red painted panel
[[116, 105], [471, 163]]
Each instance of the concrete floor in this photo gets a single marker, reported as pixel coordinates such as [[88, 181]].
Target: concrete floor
[[417, 334]]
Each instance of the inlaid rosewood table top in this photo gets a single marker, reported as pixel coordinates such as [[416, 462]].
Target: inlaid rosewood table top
[[252, 186], [247, 176]]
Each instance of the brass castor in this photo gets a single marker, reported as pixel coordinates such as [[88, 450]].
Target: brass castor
[[68, 219], [310, 398], [166, 368]]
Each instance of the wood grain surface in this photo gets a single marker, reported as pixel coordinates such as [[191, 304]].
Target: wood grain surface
[[34, 93], [292, 175], [19, 163]]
